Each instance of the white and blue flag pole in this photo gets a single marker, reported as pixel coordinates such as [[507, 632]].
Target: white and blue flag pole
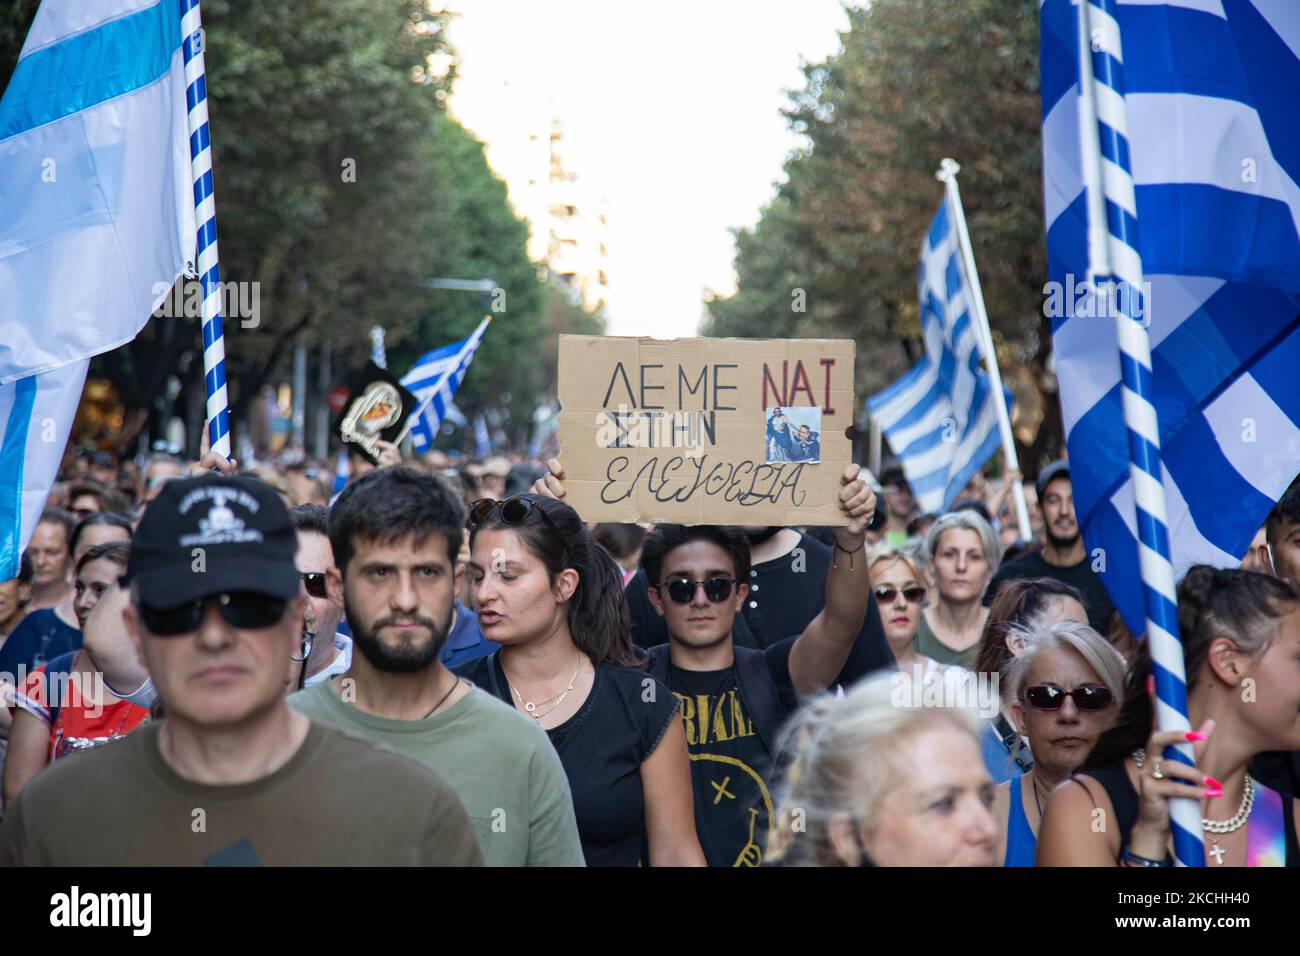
[[1114, 263], [947, 174], [205, 215]]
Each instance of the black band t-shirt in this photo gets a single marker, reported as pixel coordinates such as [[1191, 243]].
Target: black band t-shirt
[[731, 766]]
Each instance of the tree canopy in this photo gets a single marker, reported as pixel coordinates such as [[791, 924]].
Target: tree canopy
[[342, 184], [835, 251]]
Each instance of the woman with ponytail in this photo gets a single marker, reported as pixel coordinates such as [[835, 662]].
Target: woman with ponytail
[[1241, 645], [552, 597]]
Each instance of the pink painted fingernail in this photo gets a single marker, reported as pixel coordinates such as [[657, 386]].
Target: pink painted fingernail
[[1196, 735], [1213, 784], [1210, 794]]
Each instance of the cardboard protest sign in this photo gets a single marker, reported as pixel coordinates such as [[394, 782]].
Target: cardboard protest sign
[[705, 431]]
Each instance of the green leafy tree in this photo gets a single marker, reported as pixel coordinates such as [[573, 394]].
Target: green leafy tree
[[913, 82]]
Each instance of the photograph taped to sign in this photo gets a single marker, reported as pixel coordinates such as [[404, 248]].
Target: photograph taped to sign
[[677, 430], [793, 434]]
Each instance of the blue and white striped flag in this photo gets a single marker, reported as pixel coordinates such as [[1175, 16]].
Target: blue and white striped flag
[[36, 415], [96, 221], [434, 380], [96, 209], [1214, 150], [940, 418]]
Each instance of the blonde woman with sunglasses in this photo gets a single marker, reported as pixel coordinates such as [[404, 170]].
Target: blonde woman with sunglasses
[[900, 595]]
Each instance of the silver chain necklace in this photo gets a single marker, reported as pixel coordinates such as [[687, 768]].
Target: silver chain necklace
[[1233, 823]]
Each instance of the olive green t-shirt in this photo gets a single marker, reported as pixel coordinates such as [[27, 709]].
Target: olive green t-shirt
[[928, 645], [504, 769], [336, 802]]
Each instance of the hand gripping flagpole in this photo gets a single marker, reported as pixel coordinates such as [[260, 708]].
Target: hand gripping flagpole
[[1114, 262], [947, 174], [205, 217]]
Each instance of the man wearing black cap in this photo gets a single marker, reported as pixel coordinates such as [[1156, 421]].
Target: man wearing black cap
[[232, 776], [1063, 556]]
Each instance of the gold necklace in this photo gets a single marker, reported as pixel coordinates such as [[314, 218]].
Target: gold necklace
[[530, 707]]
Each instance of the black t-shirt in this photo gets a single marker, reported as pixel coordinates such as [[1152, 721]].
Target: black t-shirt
[[785, 595], [731, 768], [1095, 599], [602, 748]]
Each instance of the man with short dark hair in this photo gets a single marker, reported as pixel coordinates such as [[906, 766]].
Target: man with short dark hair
[[232, 777], [395, 534], [331, 652], [1063, 556], [1279, 553]]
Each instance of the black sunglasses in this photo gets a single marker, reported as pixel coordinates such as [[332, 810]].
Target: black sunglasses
[[246, 610], [912, 595], [314, 582], [513, 511], [1051, 697], [682, 590]]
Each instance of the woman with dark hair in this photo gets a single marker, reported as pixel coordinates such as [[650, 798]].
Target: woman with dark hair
[[1020, 603], [553, 599], [1241, 644], [99, 528], [62, 707]]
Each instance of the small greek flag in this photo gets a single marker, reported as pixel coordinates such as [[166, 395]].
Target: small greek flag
[[940, 418], [434, 379]]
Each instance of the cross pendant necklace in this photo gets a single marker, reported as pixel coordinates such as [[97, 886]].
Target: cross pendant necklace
[[1217, 852]]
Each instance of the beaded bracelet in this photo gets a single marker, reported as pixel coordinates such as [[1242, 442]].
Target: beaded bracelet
[[1128, 856]]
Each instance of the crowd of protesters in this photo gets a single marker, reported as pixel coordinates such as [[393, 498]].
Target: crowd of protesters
[[440, 662]]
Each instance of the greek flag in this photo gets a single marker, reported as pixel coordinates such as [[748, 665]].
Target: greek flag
[[36, 415], [434, 380], [96, 221], [96, 203], [940, 418], [1214, 149]]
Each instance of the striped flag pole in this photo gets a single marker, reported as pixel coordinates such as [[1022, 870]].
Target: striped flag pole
[[205, 216], [947, 174], [1115, 263]]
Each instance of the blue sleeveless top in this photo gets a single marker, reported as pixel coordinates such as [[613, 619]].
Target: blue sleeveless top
[[1022, 845]]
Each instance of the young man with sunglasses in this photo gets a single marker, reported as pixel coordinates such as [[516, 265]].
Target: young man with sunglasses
[[232, 776], [395, 534], [734, 698], [331, 652]]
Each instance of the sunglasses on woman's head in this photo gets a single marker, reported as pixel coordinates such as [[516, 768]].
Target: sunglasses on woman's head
[[1051, 697], [246, 610], [512, 510], [912, 595], [682, 590]]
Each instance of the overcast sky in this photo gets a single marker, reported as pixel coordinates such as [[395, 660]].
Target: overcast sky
[[670, 110]]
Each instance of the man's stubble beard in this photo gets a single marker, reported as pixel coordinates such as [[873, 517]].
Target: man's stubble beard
[[400, 660], [1062, 544]]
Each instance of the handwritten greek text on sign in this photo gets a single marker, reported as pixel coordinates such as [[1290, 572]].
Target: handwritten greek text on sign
[[705, 431]]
